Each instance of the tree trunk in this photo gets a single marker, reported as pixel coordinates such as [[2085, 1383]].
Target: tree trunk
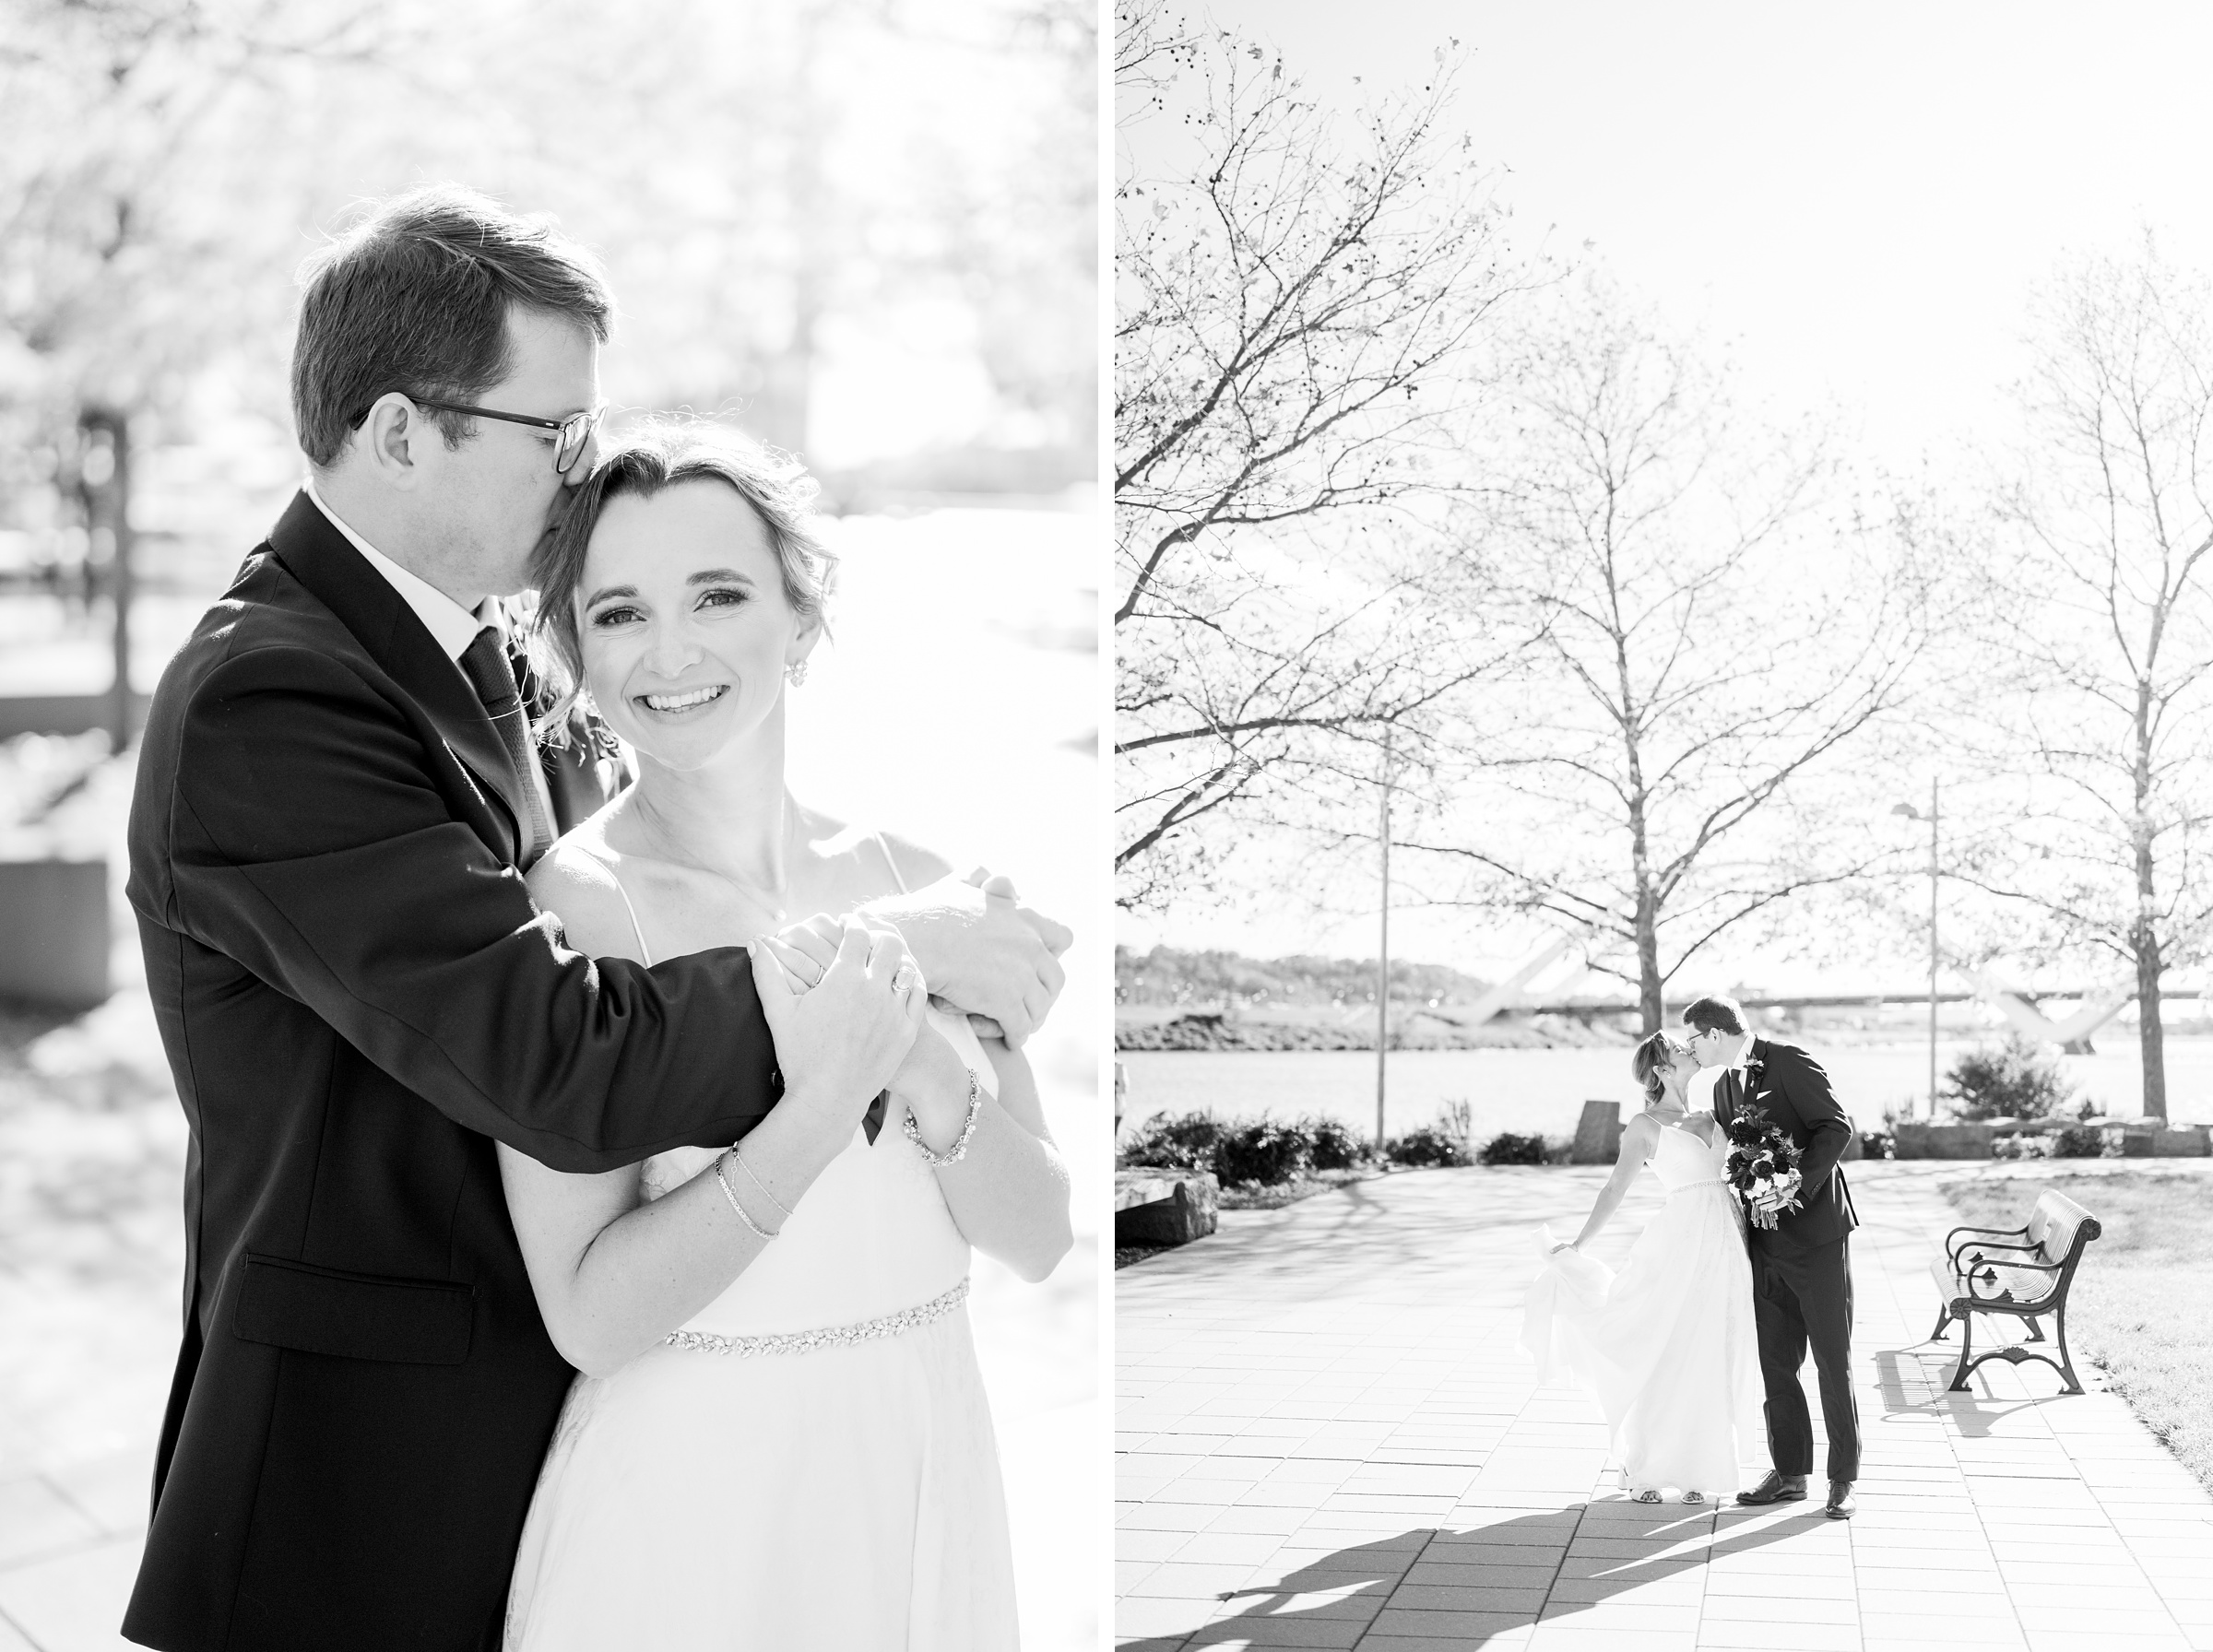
[[1649, 1006], [108, 515], [2150, 1033], [2145, 942]]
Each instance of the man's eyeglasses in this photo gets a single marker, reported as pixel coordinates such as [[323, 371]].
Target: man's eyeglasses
[[568, 447]]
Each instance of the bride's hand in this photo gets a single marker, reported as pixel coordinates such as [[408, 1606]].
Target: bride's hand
[[807, 949], [840, 1040]]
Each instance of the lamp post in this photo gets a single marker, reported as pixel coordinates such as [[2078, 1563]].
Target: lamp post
[[1911, 813], [1383, 950]]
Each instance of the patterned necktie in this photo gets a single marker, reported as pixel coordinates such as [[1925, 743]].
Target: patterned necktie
[[485, 661]]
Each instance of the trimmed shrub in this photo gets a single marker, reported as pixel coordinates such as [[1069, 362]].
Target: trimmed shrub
[[1261, 1150], [1174, 1141], [1330, 1146], [1427, 1144], [2016, 1079], [1876, 1144], [2020, 1146], [1505, 1147], [2079, 1141]]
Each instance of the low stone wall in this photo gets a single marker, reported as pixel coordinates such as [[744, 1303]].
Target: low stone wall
[[2137, 1139], [1165, 1207]]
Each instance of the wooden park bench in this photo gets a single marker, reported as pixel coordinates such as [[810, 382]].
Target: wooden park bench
[[2022, 1272]]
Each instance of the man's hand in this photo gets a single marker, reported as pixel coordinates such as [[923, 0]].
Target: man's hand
[[982, 950], [840, 1039]]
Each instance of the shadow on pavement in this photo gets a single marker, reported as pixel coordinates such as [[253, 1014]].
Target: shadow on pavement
[[1491, 1579], [1918, 1379]]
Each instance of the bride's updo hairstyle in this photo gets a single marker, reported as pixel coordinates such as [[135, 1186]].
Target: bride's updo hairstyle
[[1650, 1062], [665, 452]]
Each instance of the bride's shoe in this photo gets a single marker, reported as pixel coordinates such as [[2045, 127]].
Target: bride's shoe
[[1694, 1496], [1649, 1495]]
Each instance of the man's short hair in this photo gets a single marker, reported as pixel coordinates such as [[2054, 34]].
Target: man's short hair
[[415, 298], [1715, 1015]]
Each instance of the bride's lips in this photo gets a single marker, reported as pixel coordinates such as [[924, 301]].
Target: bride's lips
[[678, 703]]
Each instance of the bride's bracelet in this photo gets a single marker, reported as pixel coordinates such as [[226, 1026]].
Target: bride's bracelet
[[952, 1154], [751, 1226], [754, 1176]]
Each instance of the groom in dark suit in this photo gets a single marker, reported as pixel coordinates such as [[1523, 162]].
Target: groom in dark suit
[[1801, 1266], [337, 798]]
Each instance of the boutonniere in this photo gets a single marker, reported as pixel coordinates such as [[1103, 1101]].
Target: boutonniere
[[1754, 1067]]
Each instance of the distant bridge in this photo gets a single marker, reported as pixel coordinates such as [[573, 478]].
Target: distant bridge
[[2022, 1010], [1848, 1000]]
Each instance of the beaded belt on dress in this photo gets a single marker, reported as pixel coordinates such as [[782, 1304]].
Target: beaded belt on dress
[[828, 1336], [1705, 1182]]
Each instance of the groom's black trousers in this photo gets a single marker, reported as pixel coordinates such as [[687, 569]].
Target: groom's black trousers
[[1801, 1301]]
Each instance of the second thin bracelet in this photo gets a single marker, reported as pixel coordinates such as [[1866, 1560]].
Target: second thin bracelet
[[756, 1181], [751, 1226]]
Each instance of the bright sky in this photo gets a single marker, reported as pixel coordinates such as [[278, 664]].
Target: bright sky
[[1855, 200]]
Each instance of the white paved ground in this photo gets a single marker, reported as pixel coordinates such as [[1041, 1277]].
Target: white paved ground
[[1329, 1439]]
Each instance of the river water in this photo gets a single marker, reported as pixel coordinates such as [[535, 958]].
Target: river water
[[1542, 1091]]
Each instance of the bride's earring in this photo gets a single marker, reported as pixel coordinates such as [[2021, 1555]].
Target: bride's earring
[[796, 673]]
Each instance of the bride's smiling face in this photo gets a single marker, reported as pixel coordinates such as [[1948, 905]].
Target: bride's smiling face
[[684, 627]]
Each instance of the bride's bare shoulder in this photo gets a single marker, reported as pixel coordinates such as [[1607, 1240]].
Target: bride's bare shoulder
[[872, 854], [578, 888]]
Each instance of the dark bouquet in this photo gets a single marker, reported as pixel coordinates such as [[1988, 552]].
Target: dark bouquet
[[1762, 1168]]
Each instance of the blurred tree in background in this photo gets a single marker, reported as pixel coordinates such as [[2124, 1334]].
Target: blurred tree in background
[[863, 228]]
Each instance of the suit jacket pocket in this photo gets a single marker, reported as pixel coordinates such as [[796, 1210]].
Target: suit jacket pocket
[[353, 1316]]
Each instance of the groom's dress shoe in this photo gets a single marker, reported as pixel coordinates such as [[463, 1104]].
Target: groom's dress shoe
[[1776, 1488], [1839, 1506]]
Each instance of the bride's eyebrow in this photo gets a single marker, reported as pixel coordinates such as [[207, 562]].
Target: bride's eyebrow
[[711, 576], [605, 592]]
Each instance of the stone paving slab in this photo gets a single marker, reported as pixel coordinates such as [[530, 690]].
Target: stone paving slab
[[1328, 1438]]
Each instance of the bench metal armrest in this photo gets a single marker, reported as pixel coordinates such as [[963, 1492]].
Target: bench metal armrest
[[2021, 1232], [1992, 1244]]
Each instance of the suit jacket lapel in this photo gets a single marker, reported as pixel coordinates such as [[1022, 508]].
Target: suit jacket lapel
[[365, 603]]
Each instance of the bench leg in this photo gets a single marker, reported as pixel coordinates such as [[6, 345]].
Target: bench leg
[[2067, 1360], [2035, 1331], [1967, 1344], [1944, 1322]]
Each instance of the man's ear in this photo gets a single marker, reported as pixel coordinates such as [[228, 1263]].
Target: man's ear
[[392, 441]]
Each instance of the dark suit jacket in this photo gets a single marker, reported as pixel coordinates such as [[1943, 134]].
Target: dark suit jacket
[[358, 997], [1791, 1088]]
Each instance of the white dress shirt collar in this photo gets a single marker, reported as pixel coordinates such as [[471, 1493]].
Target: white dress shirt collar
[[451, 626]]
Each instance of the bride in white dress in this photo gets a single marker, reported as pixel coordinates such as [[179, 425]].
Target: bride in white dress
[[1667, 1345], [780, 1436]]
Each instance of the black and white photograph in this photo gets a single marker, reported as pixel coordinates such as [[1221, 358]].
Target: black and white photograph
[[554, 874], [1662, 606]]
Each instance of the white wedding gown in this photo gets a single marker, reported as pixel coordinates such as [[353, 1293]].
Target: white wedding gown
[[1667, 1345], [763, 1488]]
